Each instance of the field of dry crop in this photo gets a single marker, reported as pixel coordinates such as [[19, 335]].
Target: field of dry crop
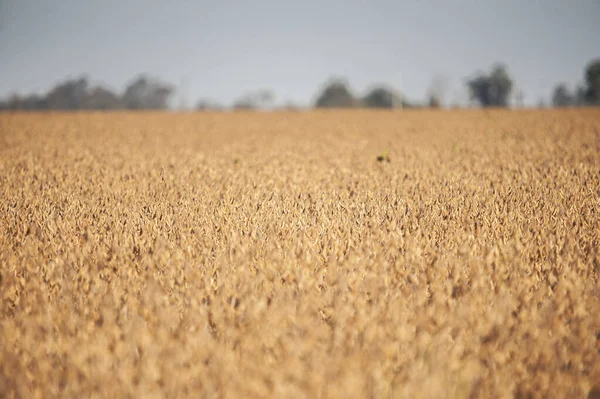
[[243, 255]]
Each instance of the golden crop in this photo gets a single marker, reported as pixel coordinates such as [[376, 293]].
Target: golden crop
[[245, 255]]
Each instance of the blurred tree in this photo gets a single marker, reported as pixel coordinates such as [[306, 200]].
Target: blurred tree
[[68, 95], [244, 104], [146, 93], [207, 105], [592, 80], [13, 103], [265, 98], [336, 94], [562, 96], [580, 96], [434, 101], [492, 90], [33, 103], [260, 99], [437, 91], [102, 99], [27, 103], [76, 94], [382, 97]]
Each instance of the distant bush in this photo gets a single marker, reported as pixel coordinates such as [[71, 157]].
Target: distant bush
[[336, 94]]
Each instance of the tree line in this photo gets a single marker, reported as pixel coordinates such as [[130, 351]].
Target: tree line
[[491, 89], [77, 94]]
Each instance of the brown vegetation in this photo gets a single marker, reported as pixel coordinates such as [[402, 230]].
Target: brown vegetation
[[253, 255]]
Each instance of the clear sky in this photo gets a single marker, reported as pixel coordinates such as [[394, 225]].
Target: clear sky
[[220, 49]]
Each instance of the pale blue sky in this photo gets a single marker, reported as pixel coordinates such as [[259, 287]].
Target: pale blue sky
[[222, 49]]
